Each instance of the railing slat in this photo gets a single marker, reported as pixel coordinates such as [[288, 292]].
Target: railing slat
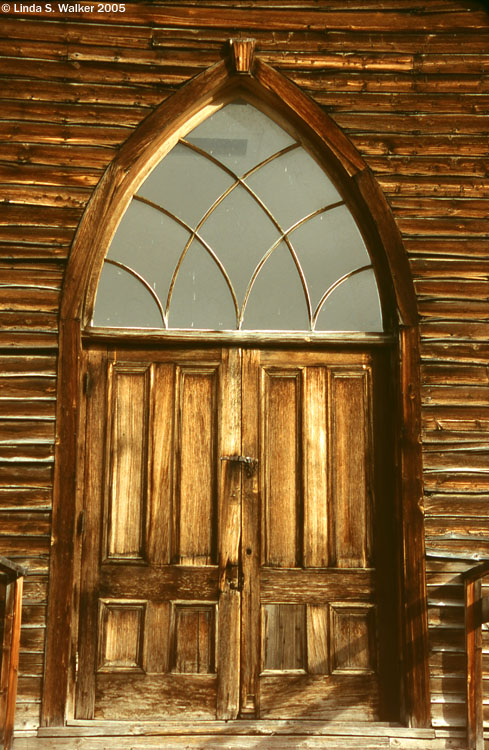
[[11, 576], [473, 647]]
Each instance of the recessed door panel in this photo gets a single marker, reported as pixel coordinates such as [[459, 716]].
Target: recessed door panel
[[281, 394], [195, 454], [314, 587], [351, 457], [127, 461]]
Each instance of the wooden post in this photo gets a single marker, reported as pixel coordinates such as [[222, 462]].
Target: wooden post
[[473, 646], [475, 615], [12, 574]]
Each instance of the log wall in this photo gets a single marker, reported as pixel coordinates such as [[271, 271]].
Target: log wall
[[407, 80]]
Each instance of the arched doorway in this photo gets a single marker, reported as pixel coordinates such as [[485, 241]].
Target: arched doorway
[[253, 589]]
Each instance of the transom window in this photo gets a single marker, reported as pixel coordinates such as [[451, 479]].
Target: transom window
[[238, 228]]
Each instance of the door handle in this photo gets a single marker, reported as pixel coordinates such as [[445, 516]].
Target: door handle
[[248, 462]]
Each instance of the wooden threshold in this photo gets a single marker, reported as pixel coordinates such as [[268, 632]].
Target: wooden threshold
[[272, 736], [256, 728]]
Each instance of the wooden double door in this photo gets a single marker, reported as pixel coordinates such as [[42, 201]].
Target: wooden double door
[[237, 550]]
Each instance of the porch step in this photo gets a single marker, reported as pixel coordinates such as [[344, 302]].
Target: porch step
[[263, 735], [211, 742]]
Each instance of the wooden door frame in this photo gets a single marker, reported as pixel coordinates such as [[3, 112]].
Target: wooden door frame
[[142, 150]]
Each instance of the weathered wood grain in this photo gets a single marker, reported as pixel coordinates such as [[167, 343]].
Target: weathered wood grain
[[22, 523], [225, 743], [288, 696], [315, 476], [300, 19], [15, 497], [96, 72], [58, 154], [280, 460], [19, 111], [402, 101], [469, 395], [41, 132], [230, 513], [350, 427], [392, 75], [163, 695], [160, 490], [469, 375], [320, 585], [466, 505], [128, 460], [48, 196], [195, 478], [440, 186], [39, 175], [85, 93], [451, 310], [437, 124]]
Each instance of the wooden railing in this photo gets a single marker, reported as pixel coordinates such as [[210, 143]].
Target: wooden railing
[[476, 614], [11, 584]]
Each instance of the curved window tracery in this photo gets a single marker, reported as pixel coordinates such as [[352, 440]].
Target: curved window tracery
[[238, 228]]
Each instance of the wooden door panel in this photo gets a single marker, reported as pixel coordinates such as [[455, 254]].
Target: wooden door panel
[[127, 461], [351, 458], [353, 645], [281, 398], [121, 635], [209, 590], [156, 652], [315, 479], [154, 603], [193, 639], [195, 466], [322, 697], [160, 584], [315, 588], [318, 659], [284, 637], [316, 584], [160, 458], [327, 638], [149, 697]]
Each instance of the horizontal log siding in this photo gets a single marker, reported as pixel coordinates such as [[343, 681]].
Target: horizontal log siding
[[408, 81]]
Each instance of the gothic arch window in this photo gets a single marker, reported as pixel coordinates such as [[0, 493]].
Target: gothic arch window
[[237, 214], [238, 228]]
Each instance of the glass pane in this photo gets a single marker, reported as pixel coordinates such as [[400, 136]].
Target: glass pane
[[277, 301], [292, 186], [186, 184], [328, 246], [240, 136], [240, 233], [124, 302], [201, 296], [150, 243], [353, 306]]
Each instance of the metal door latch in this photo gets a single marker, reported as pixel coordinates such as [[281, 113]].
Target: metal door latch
[[237, 583], [231, 577], [248, 462]]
